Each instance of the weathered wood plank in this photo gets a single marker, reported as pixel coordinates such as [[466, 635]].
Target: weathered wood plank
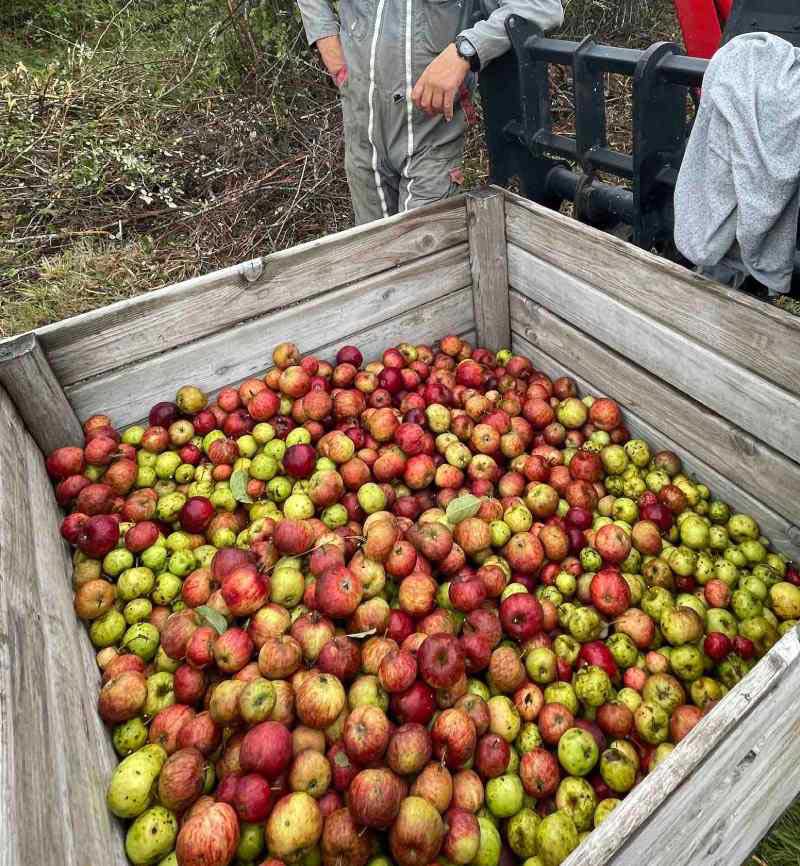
[[40, 828], [782, 534], [231, 356], [134, 330], [762, 408], [717, 794], [9, 730], [754, 334], [85, 767], [756, 467], [30, 382], [489, 259], [56, 754]]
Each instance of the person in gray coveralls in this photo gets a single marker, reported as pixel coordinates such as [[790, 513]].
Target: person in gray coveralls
[[403, 68]]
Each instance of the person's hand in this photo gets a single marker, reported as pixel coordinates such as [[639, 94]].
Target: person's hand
[[436, 90], [330, 49]]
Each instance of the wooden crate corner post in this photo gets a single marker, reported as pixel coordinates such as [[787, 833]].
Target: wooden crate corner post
[[488, 253], [30, 382]]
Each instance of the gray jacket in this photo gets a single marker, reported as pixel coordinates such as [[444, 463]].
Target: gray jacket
[[435, 24], [738, 191]]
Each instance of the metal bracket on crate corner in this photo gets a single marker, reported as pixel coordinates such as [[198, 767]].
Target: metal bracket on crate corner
[[252, 270]]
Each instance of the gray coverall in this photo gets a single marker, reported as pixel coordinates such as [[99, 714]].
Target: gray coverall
[[396, 157]]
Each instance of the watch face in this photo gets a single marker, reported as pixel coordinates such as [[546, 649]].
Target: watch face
[[466, 48]]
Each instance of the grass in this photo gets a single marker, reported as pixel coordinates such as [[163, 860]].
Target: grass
[[162, 141], [782, 846]]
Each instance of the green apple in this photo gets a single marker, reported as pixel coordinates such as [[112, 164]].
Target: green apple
[[490, 846], [151, 836], [577, 752], [592, 686], [604, 809], [617, 771], [556, 838], [577, 798], [521, 832], [504, 795]]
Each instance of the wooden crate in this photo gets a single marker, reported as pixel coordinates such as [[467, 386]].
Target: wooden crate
[[702, 370]]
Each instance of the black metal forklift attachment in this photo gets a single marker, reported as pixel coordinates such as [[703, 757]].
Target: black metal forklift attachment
[[552, 167]]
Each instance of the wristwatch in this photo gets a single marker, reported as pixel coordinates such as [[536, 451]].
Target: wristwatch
[[466, 50]]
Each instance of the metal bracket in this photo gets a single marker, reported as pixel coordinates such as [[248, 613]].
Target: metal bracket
[[252, 270], [659, 137]]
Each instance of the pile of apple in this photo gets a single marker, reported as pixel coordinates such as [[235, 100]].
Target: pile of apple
[[431, 610]]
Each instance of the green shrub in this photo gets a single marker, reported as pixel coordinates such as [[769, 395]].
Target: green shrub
[[66, 18]]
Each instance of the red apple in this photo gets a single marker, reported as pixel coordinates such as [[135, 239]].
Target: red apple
[[208, 838], [397, 671], [491, 756], [366, 734], [554, 720], [245, 590], [319, 700], [467, 593], [196, 514], [176, 633], [598, 654], [717, 646], [744, 647], [233, 650], [227, 559], [682, 720], [610, 592], [454, 736], [462, 842], [341, 657], [374, 798], [409, 750], [441, 661], [615, 720], [417, 834], [343, 840], [418, 704], [97, 536], [467, 791], [253, 798], [266, 749], [401, 625], [202, 733], [299, 461], [64, 462], [343, 770], [279, 657], [521, 616], [189, 684], [122, 697], [167, 724], [540, 773], [638, 626], [338, 592], [486, 622]]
